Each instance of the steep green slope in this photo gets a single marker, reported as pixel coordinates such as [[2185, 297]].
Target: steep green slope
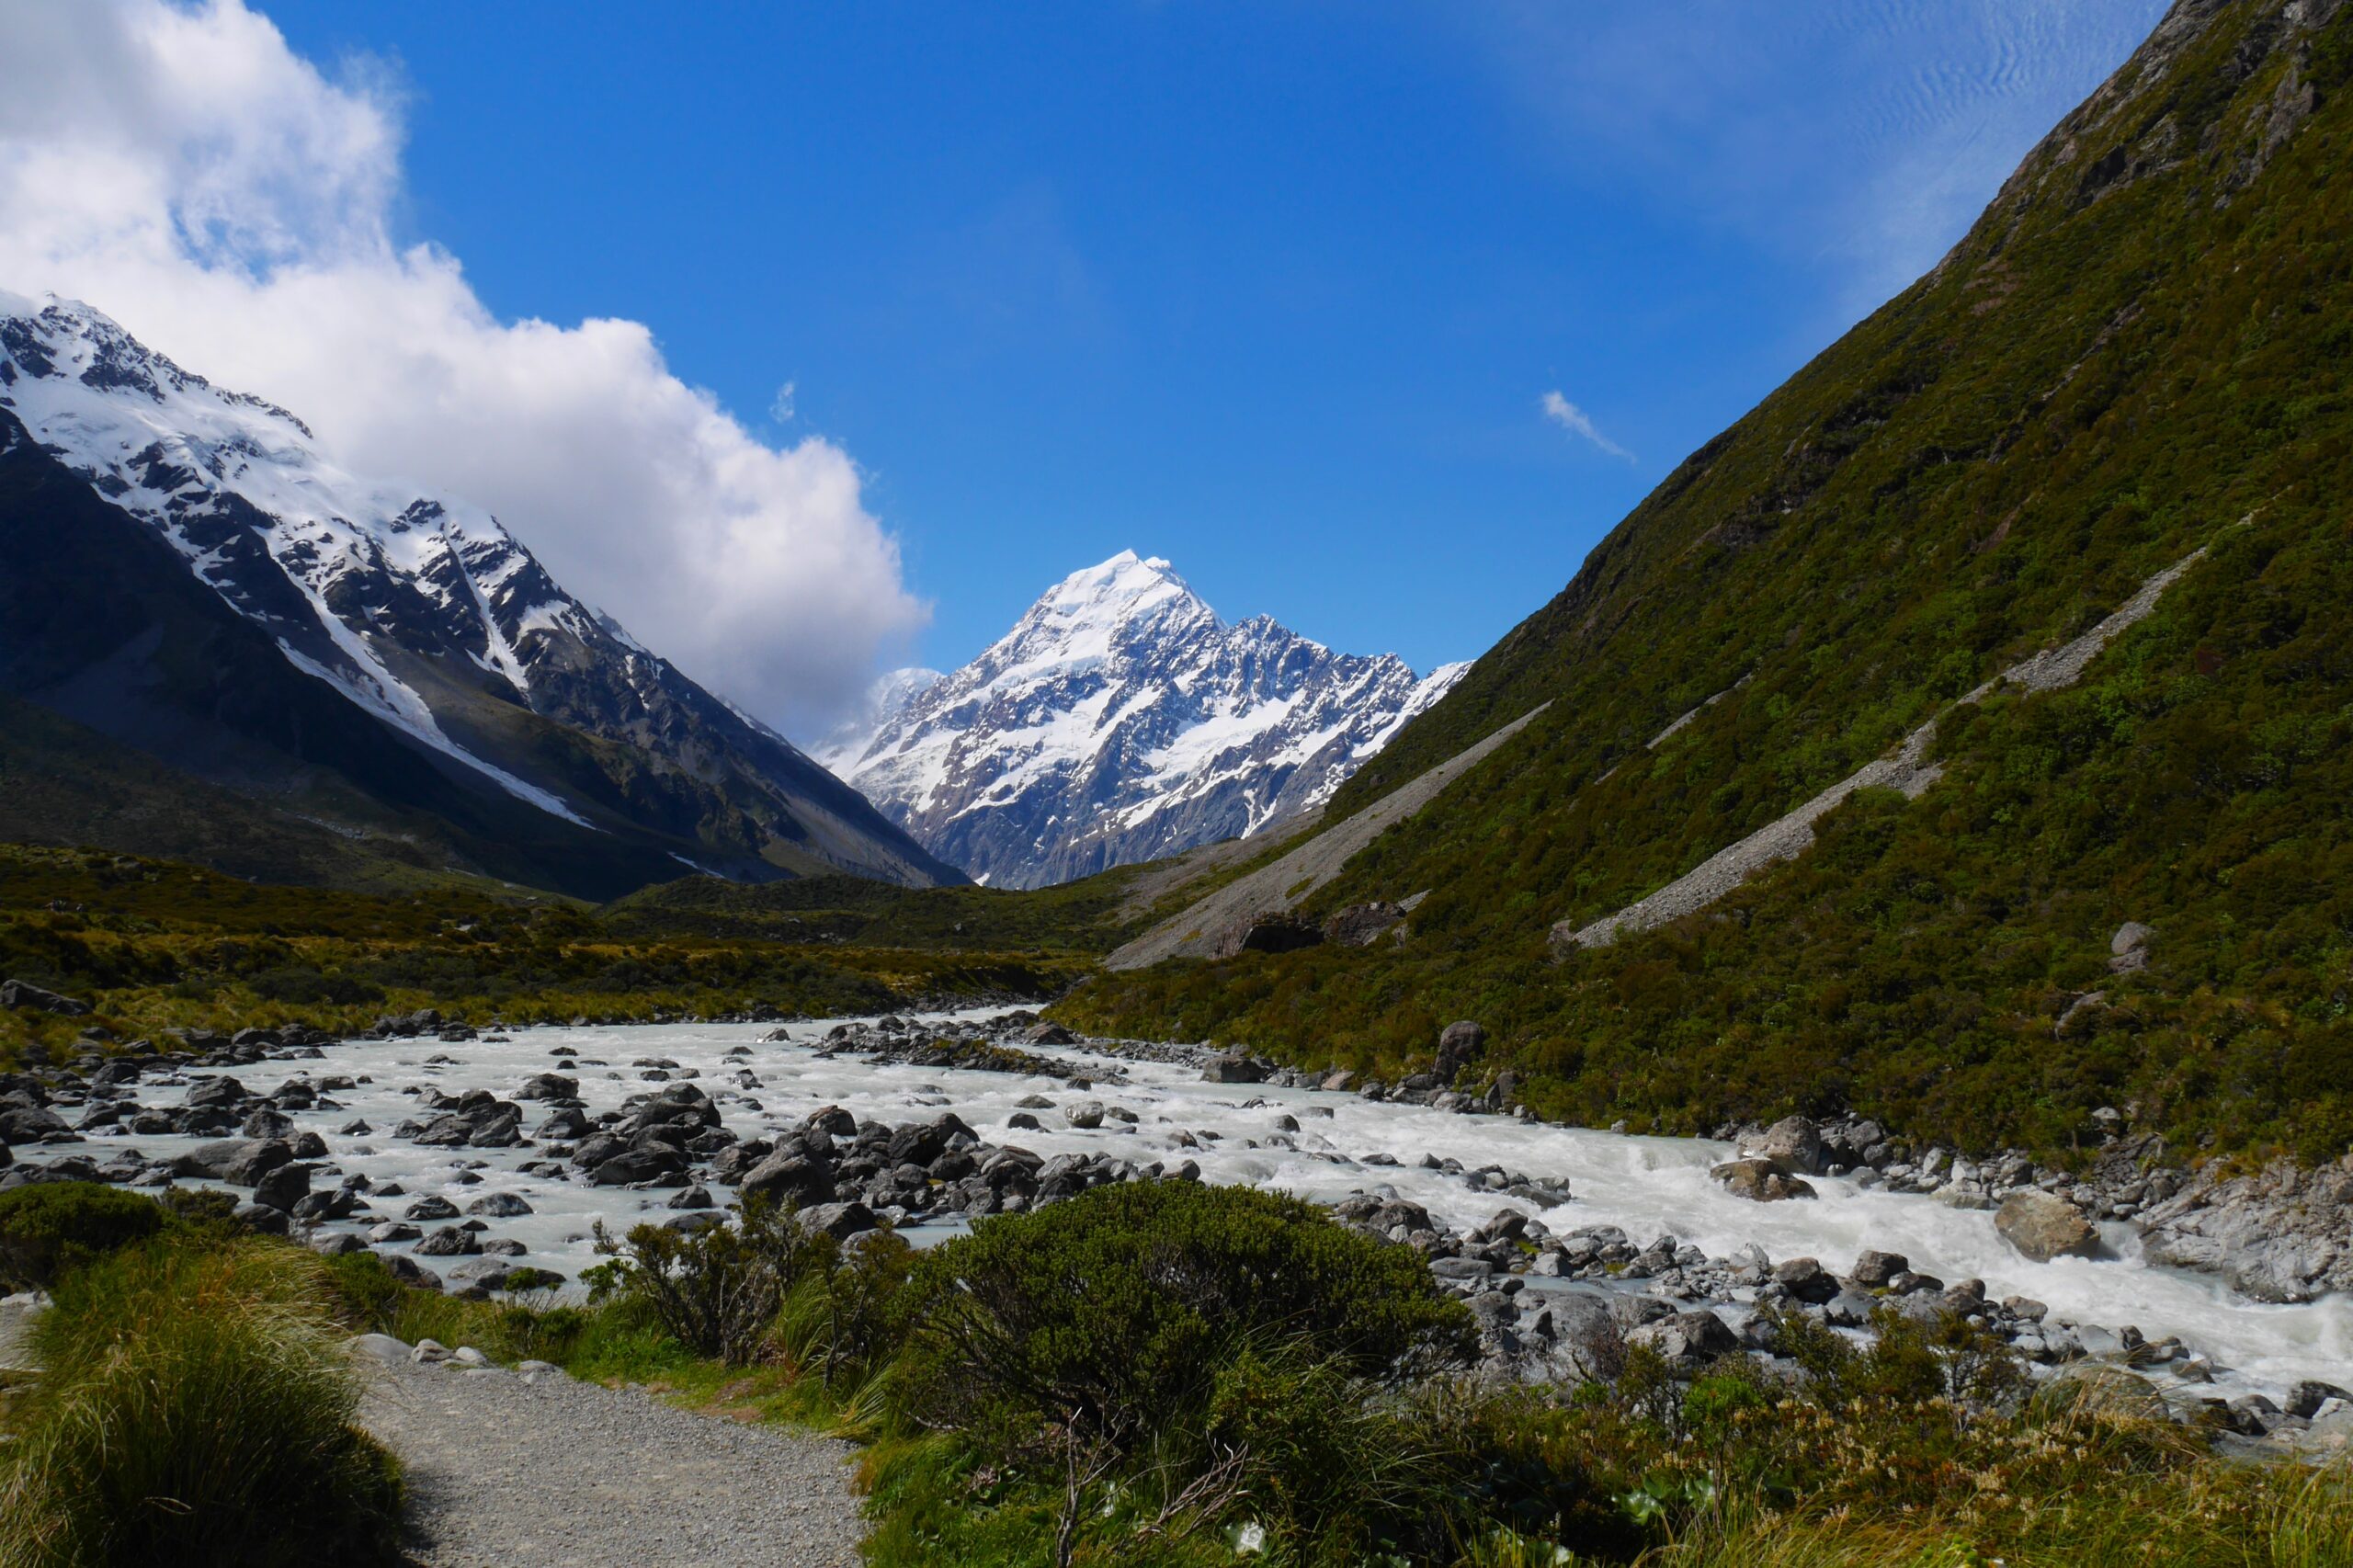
[[2139, 346]]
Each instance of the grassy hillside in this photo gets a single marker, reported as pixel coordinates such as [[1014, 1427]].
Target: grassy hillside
[[2138, 348], [1082, 916]]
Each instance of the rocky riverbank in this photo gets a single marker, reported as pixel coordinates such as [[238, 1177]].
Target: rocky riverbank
[[1555, 1300]]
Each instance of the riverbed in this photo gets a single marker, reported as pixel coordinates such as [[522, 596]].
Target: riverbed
[[1645, 1185]]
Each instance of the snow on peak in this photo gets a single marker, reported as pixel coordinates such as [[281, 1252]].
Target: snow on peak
[[242, 490], [1119, 720]]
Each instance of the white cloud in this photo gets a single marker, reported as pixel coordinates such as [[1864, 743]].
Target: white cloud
[[1573, 419], [783, 410], [180, 168]]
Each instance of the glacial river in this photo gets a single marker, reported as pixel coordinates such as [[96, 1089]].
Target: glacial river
[[1646, 1185]]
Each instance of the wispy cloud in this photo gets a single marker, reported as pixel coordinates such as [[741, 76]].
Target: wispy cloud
[[783, 410], [1868, 132], [1576, 421]]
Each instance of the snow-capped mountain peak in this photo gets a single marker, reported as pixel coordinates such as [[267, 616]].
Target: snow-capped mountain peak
[[420, 608], [1120, 720]]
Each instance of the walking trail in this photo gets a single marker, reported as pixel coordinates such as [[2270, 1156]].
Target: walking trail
[[528, 1468]]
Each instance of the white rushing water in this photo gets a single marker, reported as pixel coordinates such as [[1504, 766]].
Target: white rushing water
[[1646, 1185]]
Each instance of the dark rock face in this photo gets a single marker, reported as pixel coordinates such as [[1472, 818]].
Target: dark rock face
[[1362, 925], [1266, 934], [791, 1177]]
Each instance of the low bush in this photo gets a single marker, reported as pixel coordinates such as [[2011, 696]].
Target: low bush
[[1112, 1313], [196, 1408], [847, 1318], [716, 1289], [47, 1227]]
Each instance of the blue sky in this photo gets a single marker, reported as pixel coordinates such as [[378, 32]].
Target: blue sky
[[1274, 290]]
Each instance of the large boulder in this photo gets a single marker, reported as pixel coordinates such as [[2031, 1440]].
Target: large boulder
[[790, 1177], [1874, 1270], [1233, 1069], [24, 994], [1760, 1181], [23, 1123], [1805, 1279], [1458, 1045], [221, 1091], [1793, 1143], [2042, 1226], [2102, 1389], [638, 1164], [1688, 1338], [839, 1221], [282, 1186], [239, 1161], [919, 1143], [1588, 1338]]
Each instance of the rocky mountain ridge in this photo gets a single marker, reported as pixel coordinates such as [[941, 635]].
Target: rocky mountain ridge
[[421, 612]]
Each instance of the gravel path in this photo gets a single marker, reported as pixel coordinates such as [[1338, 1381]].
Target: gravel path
[[512, 1470]]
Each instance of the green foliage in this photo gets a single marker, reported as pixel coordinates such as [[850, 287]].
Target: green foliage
[[1080, 916], [197, 1409], [846, 1318], [717, 1289], [49, 1227], [1110, 1314]]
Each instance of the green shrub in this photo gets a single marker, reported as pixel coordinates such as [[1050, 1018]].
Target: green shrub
[[847, 1318], [51, 1226], [196, 1409], [1111, 1313], [1328, 1475], [716, 1290]]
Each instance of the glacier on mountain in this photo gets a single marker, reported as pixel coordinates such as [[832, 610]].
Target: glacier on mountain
[[1120, 720]]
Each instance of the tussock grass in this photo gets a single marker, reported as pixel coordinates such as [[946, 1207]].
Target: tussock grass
[[196, 1408]]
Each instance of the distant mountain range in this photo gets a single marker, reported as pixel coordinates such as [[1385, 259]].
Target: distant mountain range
[[1120, 720], [183, 574]]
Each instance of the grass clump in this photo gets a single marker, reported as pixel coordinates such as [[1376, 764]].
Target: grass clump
[[196, 1407]]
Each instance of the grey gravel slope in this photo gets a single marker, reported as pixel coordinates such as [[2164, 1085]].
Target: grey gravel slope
[[1282, 884]]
